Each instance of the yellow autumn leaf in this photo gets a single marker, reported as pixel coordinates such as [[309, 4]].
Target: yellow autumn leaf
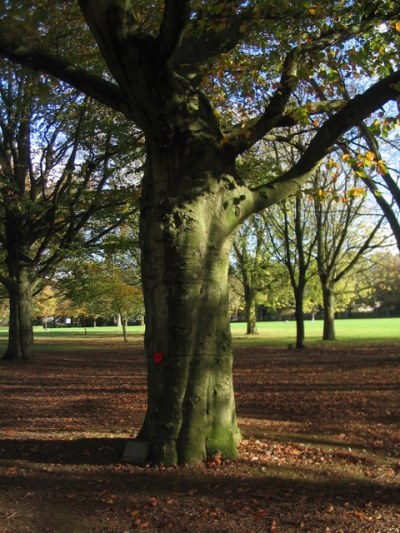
[[345, 157], [397, 26], [370, 156]]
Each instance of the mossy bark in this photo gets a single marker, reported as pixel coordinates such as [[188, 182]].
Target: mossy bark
[[20, 336], [185, 257]]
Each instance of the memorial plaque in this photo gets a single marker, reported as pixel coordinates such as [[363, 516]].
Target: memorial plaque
[[136, 452]]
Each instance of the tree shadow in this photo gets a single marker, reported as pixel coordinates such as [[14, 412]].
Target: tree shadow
[[84, 451], [283, 484]]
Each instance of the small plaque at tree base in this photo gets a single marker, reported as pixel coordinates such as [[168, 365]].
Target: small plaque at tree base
[[136, 452]]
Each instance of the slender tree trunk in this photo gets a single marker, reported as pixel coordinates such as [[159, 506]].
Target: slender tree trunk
[[124, 329], [329, 314], [300, 330], [250, 312], [185, 258], [20, 336]]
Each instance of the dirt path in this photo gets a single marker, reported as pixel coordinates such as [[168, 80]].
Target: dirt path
[[321, 449]]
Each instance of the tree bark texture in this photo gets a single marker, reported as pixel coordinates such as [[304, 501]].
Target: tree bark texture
[[20, 337], [250, 311], [300, 330], [329, 314], [185, 257]]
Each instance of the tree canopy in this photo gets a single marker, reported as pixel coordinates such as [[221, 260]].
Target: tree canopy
[[249, 58]]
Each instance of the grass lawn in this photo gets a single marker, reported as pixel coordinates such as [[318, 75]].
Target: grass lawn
[[349, 330], [269, 333]]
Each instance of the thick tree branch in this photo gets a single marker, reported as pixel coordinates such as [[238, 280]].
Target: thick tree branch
[[101, 90], [386, 176], [313, 108], [243, 137], [212, 35], [175, 17], [126, 48], [346, 118], [386, 207], [373, 146]]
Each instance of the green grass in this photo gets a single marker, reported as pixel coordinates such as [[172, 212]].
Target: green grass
[[347, 331], [103, 331]]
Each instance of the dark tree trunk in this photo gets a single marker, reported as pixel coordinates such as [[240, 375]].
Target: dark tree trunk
[[329, 314], [20, 336], [300, 330], [124, 329]]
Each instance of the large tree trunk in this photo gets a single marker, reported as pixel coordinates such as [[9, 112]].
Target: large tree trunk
[[185, 257], [329, 314], [20, 336]]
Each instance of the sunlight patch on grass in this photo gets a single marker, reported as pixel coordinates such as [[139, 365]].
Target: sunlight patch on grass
[[349, 330]]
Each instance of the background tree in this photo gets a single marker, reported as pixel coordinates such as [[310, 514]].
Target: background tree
[[373, 154], [45, 304], [251, 262], [4, 305], [101, 288], [57, 171], [385, 293], [293, 241], [205, 81], [343, 236], [124, 300], [83, 289]]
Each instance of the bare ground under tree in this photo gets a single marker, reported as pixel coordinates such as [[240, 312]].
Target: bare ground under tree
[[321, 448]]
